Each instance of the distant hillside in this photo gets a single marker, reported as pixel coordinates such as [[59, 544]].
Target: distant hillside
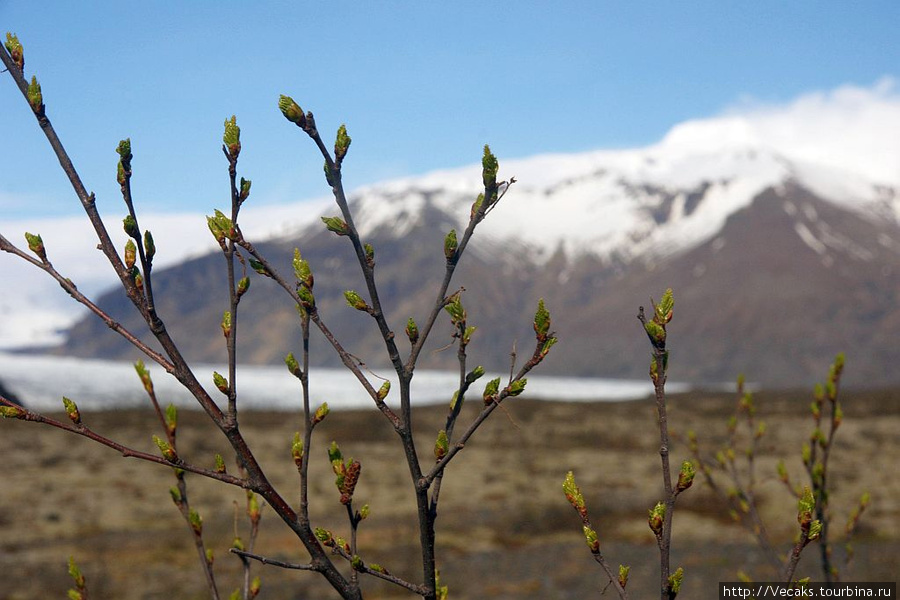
[[776, 267]]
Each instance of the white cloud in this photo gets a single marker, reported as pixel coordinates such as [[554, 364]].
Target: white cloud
[[850, 128], [33, 308]]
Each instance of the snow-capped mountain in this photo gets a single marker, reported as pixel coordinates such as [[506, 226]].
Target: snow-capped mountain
[[777, 263], [620, 206]]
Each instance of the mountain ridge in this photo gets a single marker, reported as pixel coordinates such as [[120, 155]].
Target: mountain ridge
[[595, 241]]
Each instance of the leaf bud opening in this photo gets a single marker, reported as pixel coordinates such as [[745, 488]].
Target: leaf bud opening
[[16, 52], [232, 137]]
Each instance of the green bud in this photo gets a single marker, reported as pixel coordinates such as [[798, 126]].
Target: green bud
[[541, 321], [441, 445], [654, 371], [838, 365], [301, 270], [341, 144], [474, 375], [818, 436], [220, 226], [226, 323], [364, 512], [489, 168], [167, 451], [334, 453], [491, 390], [383, 390], [548, 343], [11, 412], [324, 536], [221, 383], [175, 493], [36, 245], [805, 506], [292, 111], [144, 375], [336, 225], [72, 411], [232, 137], [675, 580], [590, 536], [130, 253], [455, 309], [467, 334], [255, 586], [75, 573], [818, 392], [149, 246], [238, 544], [329, 175], [171, 418], [245, 189], [123, 167], [307, 300], [450, 245], [662, 313], [347, 479], [656, 332], [257, 266], [815, 529], [297, 450], [220, 463], [453, 399], [573, 494], [210, 558], [517, 387], [252, 506], [623, 575], [124, 150], [354, 300], [35, 97], [321, 413], [412, 331], [657, 516], [16, 52], [686, 476], [121, 175], [196, 521], [292, 365], [242, 286], [782, 471], [476, 206], [370, 255], [74, 595], [356, 562], [760, 430]]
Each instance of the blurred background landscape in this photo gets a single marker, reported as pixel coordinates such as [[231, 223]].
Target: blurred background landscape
[[505, 529]]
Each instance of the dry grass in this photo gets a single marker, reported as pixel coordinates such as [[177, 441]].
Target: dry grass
[[505, 529]]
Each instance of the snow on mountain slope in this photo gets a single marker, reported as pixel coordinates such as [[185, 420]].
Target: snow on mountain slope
[[622, 205]]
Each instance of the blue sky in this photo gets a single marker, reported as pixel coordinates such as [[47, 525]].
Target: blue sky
[[420, 85]]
